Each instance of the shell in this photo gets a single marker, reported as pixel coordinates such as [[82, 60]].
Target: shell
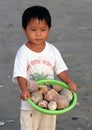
[[36, 96], [32, 85], [43, 89], [51, 95], [57, 87], [41, 86], [52, 105], [62, 102], [67, 93], [43, 104]]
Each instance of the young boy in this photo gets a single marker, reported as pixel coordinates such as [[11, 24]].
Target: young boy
[[37, 58]]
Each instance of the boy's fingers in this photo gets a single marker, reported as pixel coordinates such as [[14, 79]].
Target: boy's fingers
[[24, 97]]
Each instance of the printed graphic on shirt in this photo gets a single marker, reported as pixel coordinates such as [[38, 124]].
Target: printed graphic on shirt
[[40, 62], [40, 69], [37, 76]]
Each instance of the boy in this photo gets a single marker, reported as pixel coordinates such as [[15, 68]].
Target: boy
[[37, 58]]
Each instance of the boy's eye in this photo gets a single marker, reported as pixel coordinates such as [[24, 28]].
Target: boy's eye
[[43, 29], [32, 29]]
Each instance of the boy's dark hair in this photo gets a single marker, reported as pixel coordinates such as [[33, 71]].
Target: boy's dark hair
[[39, 12]]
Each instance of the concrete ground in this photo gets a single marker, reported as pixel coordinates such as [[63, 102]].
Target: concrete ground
[[71, 33]]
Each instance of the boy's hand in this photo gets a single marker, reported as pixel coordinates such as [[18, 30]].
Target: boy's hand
[[66, 78], [73, 86], [25, 94]]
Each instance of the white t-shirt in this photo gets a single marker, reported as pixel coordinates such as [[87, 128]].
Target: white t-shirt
[[34, 65]]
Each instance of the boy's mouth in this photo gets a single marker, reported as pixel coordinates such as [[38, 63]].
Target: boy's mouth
[[38, 40]]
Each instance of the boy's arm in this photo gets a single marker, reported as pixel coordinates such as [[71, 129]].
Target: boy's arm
[[64, 76], [23, 87]]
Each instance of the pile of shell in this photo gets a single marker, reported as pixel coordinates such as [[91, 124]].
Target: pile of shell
[[48, 96]]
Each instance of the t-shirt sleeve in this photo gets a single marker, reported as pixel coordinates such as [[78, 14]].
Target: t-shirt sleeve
[[60, 65], [20, 66]]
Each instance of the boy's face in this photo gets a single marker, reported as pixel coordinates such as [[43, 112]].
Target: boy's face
[[37, 31]]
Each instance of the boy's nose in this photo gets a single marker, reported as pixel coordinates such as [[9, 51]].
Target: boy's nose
[[38, 33]]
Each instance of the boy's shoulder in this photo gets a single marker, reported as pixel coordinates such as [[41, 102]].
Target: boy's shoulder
[[22, 48], [52, 46]]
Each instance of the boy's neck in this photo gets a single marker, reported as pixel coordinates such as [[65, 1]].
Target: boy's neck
[[36, 48]]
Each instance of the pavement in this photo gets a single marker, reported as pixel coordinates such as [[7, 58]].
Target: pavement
[[71, 33]]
